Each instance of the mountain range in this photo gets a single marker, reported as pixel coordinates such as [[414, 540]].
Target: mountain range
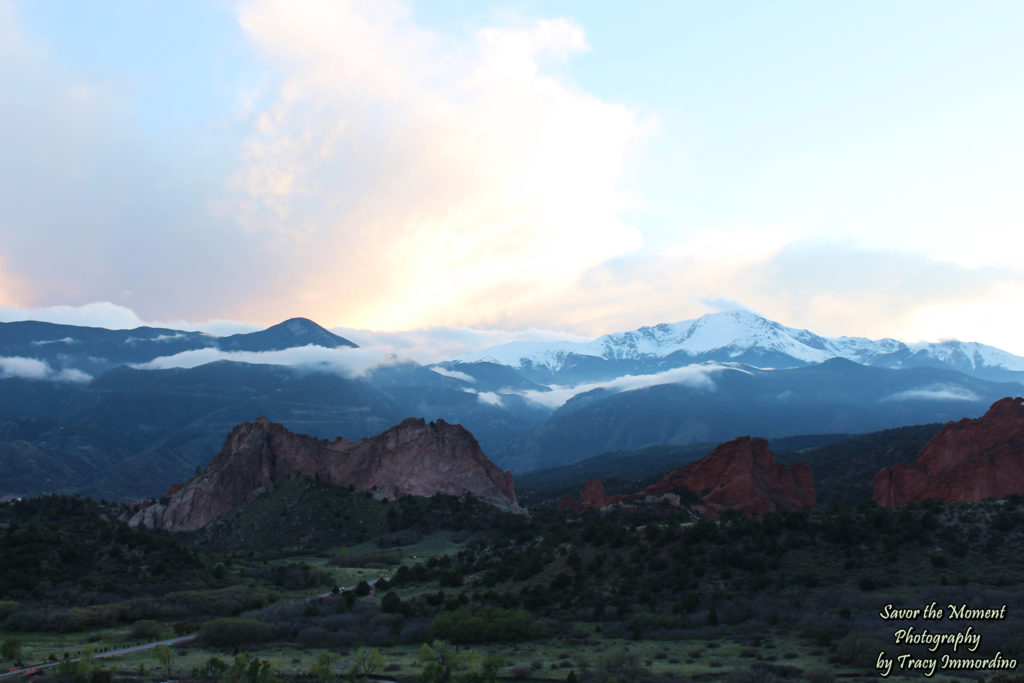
[[737, 336], [75, 353], [126, 413]]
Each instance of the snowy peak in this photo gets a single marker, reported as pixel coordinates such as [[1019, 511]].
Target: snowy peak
[[967, 355], [733, 331], [744, 336]]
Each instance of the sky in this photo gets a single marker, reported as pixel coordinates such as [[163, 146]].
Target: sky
[[561, 167]]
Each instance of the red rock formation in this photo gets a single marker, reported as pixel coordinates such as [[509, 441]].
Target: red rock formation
[[741, 474], [968, 460], [593, 495], [413, 458]]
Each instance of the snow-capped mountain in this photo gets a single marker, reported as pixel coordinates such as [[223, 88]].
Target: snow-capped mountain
[[745, 337], [966, 356]]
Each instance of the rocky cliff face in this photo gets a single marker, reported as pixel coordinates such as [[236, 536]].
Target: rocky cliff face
[[741, 474], [968, 460], [412, 458], [593, 496]]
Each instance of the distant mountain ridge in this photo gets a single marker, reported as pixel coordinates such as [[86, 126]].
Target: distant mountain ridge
[[744, 337], [837, 396], [286, 335], [92, 350], [122, 425]]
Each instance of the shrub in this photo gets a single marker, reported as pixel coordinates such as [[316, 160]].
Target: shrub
[[859, 649], [183, 628], [391, 602], [11, 648], [145, 629]]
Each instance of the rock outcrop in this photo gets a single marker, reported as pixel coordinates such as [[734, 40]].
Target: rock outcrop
[[741, 474], [414, 458], [968, 460], [593, 496]]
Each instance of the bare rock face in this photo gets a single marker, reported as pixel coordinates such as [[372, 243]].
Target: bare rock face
[[968, 460], [593, 494], [741, 474], [413, 458]]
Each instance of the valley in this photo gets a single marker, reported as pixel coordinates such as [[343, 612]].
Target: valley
[[127, 413], [644, 594]]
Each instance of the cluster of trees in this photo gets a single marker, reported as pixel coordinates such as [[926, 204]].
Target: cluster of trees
[[72, 550], [443, 511], [656, 575]]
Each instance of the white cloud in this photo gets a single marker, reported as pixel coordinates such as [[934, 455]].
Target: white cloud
[[27, 368], [935, 392], [347, 362], [442, 180], [33, 368], [217, 327], [117, 317], [455, 374], [95, 314], [158, 338], [72, 375], [62, 340], [390, 176], [724, 305], [695, 376], [435, 344], [488, 397], [830, 287]]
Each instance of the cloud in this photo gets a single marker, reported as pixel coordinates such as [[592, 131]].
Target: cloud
[[435, 344], [694, 376], [158, 338], [33, 368], [440, 180], [386, 176], [62, 340], [27, 368], [99, 205], [724, 305], [935, 392], [833, 288], [346, 362], [455, 374], [96, 314], [487, 397], [117, 317], [217, 327]]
